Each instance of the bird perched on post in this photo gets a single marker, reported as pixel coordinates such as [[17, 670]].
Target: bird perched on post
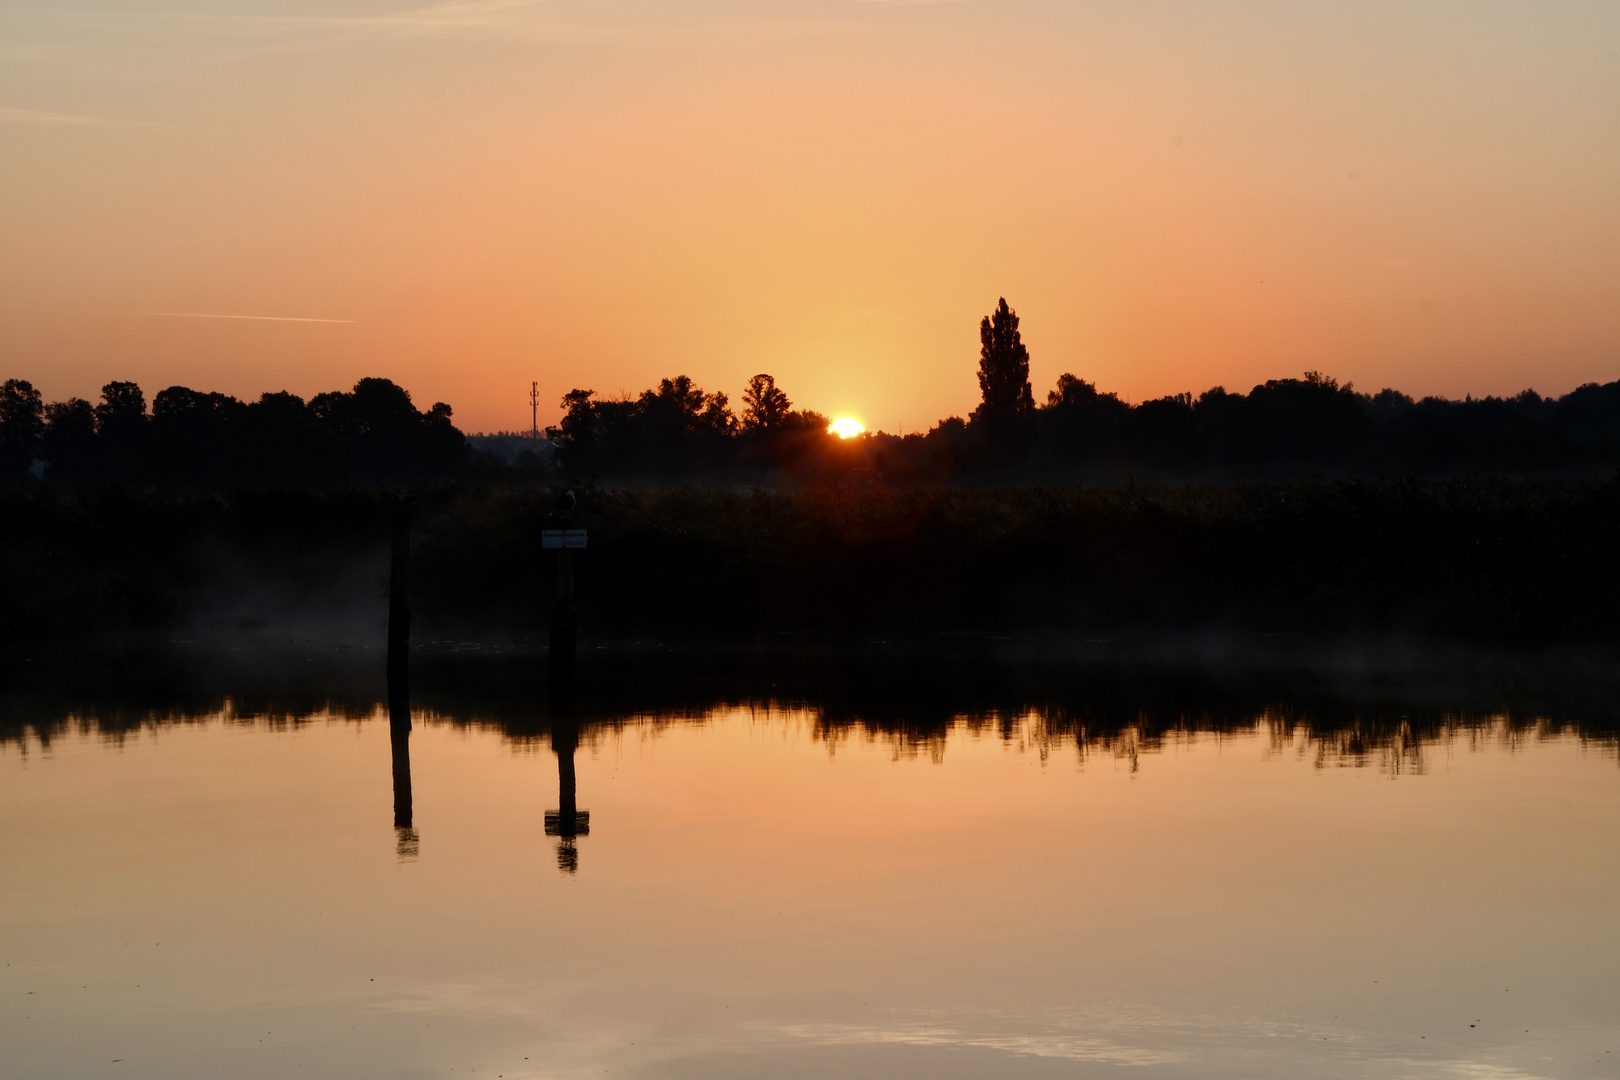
[[564, 505]]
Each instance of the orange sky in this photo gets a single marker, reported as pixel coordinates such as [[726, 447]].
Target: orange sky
[[1173, 195]]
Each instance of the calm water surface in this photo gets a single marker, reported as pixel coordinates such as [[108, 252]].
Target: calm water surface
[[760, 894]]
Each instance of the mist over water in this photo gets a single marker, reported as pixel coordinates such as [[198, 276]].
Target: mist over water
[[859, 867]]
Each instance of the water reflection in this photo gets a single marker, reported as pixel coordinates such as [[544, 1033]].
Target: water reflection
[[1340, 713], [407, 842], [567, 822], [1197, 889]]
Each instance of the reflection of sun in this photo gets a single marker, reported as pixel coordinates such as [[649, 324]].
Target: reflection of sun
[[845, 428]]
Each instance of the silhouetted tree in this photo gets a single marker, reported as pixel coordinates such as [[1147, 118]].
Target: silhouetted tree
[[122, 411], [594, 434], [765, 406], [807, 420], [672, 426], [195, 438], [679, 424], [577, 429], [1589, 412], [1078, 421], [121, 431], [1311, 421], [69, 444], [678, 407], [1005, 415], [286, 445], [204, 440], [949, 448], [1163, 432], [392, 441], [373, 434], [717, 416], [22, 423]]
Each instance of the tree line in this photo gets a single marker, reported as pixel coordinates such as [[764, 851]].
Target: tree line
[[1309, 424], [374, 436], [369, 436]]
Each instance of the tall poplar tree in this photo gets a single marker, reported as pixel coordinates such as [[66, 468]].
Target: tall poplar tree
[[1007, 414]]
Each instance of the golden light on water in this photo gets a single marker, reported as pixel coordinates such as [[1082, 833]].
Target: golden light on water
[[846, 428]]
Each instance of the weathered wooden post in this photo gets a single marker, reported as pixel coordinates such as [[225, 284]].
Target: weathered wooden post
[[564, 619], [399, 606], [564, 615]]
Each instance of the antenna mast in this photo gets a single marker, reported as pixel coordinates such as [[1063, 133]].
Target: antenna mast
[[534, 410]]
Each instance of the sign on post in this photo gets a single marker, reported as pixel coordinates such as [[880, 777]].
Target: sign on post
[[562, 538]]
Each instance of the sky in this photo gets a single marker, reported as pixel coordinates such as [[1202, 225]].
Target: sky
[[469, 197]]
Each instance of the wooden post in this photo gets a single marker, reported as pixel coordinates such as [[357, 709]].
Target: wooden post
[[399, 607], [564, 616], [564, 620]]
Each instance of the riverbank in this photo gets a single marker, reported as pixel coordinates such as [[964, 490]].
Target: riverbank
[[1519, 562]]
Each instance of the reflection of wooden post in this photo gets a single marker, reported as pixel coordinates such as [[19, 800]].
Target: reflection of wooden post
[[399, 732], [568, 820], [399, 675], [399, 607], [399, 737]]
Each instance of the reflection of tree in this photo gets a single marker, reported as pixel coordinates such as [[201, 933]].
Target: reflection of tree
[[568, 821], [906, 699]]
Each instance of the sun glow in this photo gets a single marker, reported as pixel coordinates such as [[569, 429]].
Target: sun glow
[[845, 428]]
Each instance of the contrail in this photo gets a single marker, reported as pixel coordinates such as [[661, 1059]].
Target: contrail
[[207, 315], [34, 116]]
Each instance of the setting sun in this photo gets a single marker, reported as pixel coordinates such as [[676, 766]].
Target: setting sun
[[846, 428]]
